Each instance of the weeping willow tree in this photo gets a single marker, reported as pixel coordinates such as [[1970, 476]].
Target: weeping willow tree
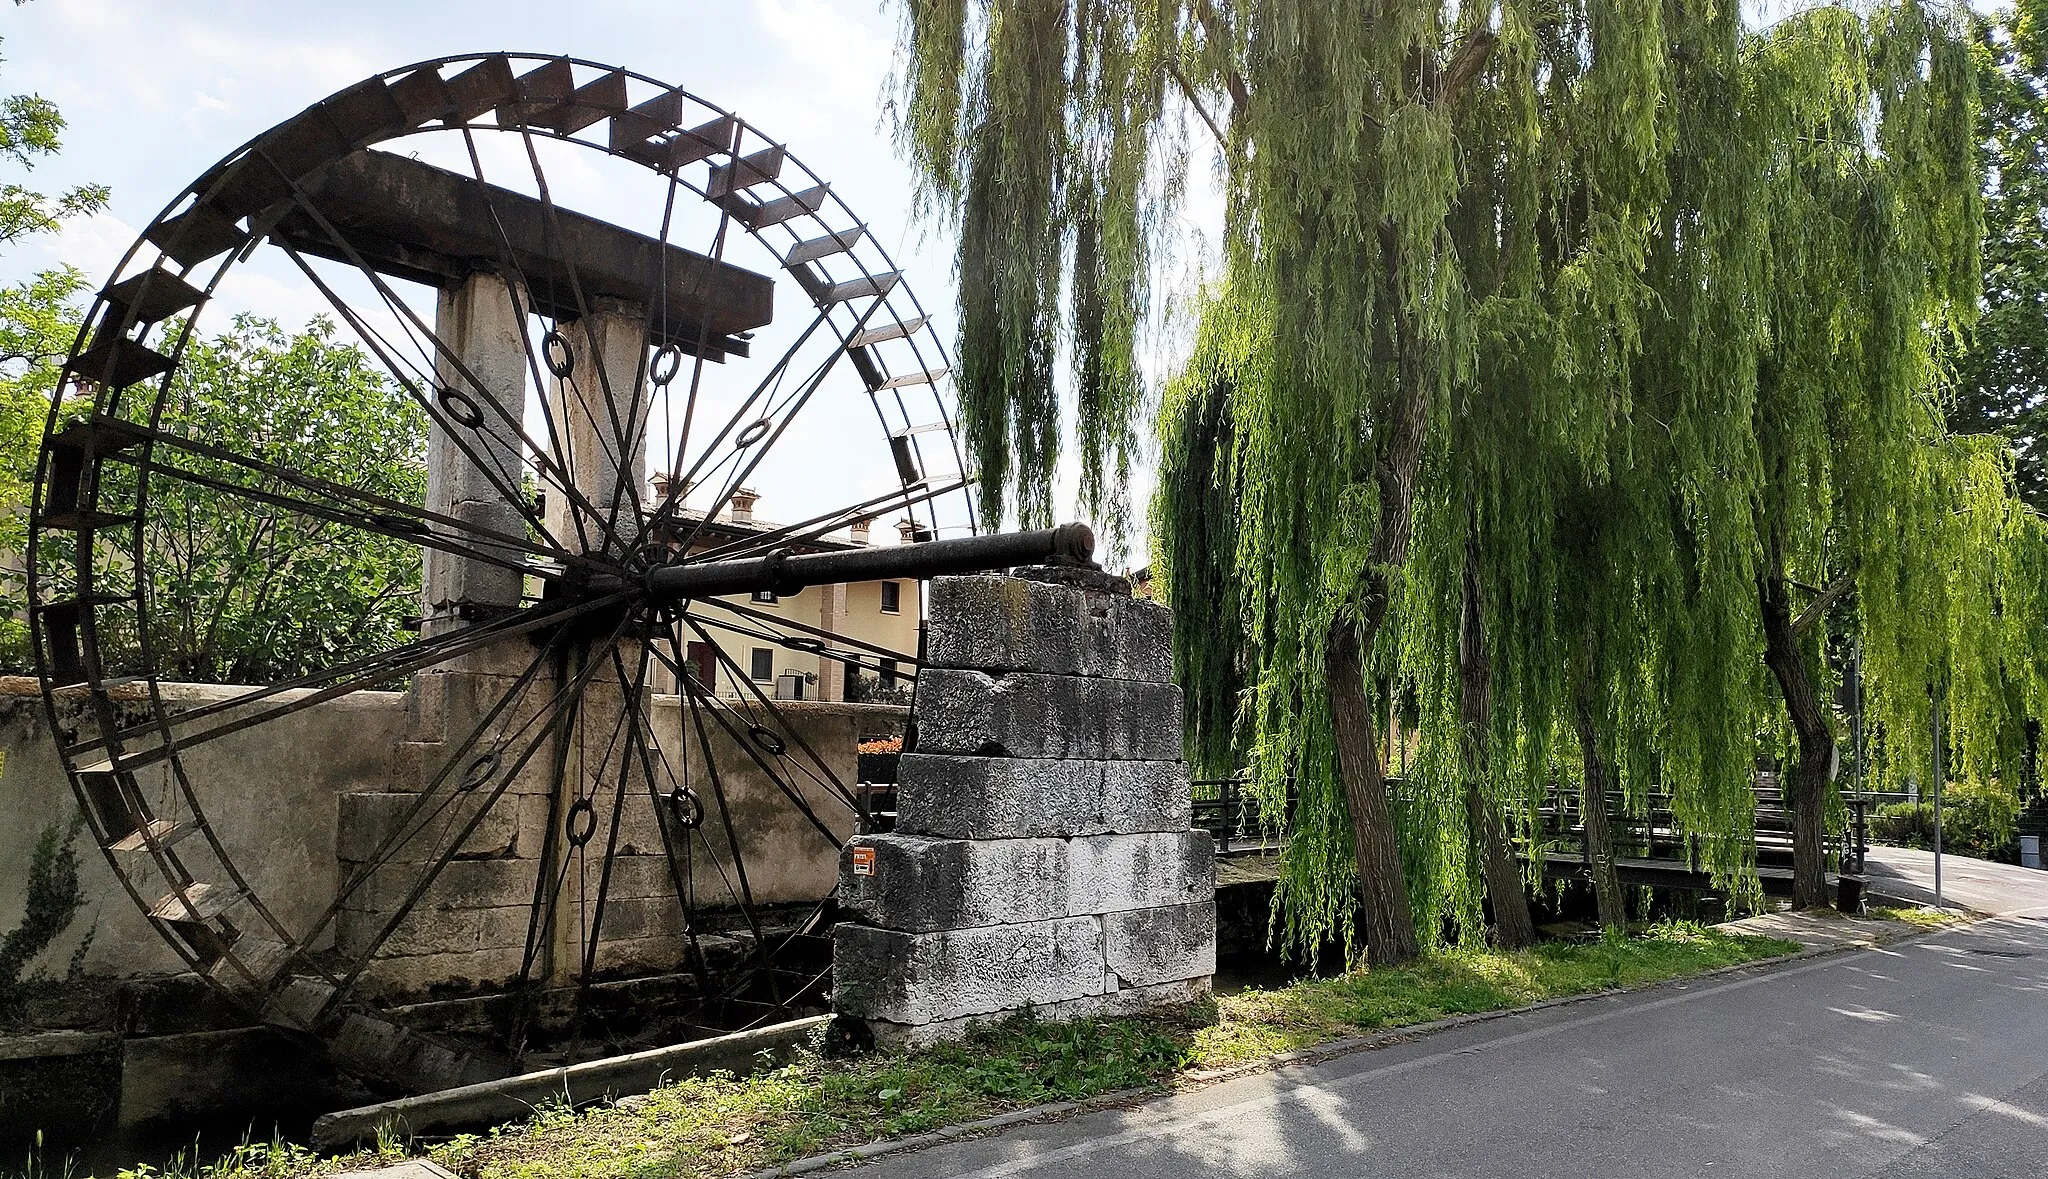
[[1868, 198], [1496, 294]]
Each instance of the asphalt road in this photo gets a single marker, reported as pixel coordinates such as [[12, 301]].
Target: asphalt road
[[1928, 1058]]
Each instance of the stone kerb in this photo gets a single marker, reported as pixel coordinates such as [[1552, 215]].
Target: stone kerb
[[1043, 854]]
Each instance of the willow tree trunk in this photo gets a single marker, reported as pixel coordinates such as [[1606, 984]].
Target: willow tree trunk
[[1382, 883], [1599, 836], [1806, 796], [1513, 927]]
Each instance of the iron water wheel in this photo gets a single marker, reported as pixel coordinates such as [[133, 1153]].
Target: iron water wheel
[[564, 357]]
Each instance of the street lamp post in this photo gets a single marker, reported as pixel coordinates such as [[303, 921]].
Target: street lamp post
[[1934, 695]]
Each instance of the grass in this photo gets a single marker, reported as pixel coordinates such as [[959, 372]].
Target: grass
[[723, 1124], [1924, 916]]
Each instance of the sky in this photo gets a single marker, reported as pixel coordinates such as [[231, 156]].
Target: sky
[[154, 93]]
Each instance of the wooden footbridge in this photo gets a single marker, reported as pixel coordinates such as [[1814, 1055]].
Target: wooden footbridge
[[1651, 849]]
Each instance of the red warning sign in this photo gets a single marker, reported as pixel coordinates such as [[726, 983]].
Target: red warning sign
[[863, 861]]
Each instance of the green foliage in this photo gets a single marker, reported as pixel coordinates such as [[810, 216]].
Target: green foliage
[[38, 322], [2002, 384], [30, 127], [1033, 122], [1681, 299], [52, 899], [247, 593], [1977, 819], [38, 317]]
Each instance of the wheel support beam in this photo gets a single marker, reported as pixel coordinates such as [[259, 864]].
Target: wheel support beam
[[784, 572]]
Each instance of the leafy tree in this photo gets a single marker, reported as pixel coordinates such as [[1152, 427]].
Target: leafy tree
[[2003, 378], [37, 318], [1500, 298], [248, 593], [1869, 276], [29, 129]]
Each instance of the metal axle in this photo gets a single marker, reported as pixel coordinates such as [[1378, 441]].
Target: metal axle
[[784, 572]]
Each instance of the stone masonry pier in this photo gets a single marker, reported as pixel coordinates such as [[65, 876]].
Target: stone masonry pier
[[1043, 854]]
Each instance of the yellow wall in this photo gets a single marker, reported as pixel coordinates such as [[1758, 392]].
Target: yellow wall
[[857, 615]]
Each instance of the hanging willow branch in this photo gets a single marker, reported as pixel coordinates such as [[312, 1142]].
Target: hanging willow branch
[[1636, 305]]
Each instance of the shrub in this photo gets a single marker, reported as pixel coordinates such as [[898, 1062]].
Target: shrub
[[1977, 819]]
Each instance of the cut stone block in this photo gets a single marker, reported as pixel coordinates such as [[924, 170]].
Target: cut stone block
[[920, 978], [368, 819], [1020, 798], [391, 978], [919, 884], [461, 884], [1029, 715], [1112, 873], [1010, 624], [1146, 946], [1125, 1001]]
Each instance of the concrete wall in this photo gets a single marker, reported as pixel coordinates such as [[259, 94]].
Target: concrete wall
[[299, 800], [272, 792], [471, 926]]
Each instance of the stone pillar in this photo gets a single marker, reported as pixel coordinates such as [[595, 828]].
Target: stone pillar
[[1043, 853], [479, 321], [606, 353]]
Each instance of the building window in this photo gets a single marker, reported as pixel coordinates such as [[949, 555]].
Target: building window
[[766, 597], [888, 670], [892, 597], [763, 669]]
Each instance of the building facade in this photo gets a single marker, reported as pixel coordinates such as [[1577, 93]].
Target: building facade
[[771, 643]]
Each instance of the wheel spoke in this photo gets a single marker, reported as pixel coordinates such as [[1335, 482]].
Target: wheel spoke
[[395, 517], [339, 682], [783, 639], [435, 413], [413, 822], [744, 739], [557, 478], [413, 529], [629, 481], [732, 839], [830, 779], [561, 706]]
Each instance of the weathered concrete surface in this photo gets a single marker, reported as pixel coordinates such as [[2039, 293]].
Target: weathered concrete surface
[[472, 1107], [50, 1080], [1002, 624], [920, 978], [481, 321], [1147, 947], [192, 1077], [409, 1169], [1021, 798], [1112, 873], [300, 801], [1024, 714], [600, 415], [285, 780], [471, 925], [1106, 1005], [918, 884]]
